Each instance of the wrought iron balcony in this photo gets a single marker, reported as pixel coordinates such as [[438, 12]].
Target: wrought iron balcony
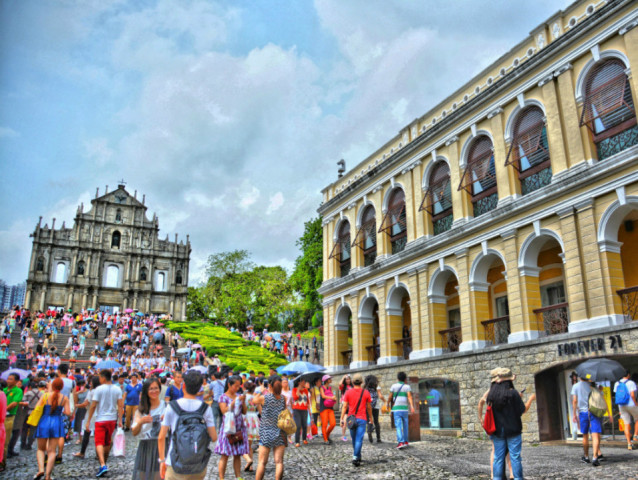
[[404, 347], [442, 224], [497, 330], [451, 338], [373, 354], [555, 318], [629, 297], [617, 143]]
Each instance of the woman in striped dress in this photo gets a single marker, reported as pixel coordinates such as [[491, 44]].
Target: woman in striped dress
[[270, 436], [232, 402]]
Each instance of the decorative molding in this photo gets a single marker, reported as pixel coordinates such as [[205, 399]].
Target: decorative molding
[[479, 286], [562, 69], [628, 26], [506, 235], [523, 336], [470, 345], [596, 322], [434, 298], [526, 271], [451, 140], [565, 211], [546, 80], [462, 252], [584, 204], [493, 113], [387, 360], [425, 353], [609, 246]]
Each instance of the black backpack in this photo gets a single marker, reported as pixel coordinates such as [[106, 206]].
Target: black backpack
[[190, 440]]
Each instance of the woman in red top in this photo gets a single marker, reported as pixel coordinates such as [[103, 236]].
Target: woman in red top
[[357, 402], [300, 405], [344, 386]]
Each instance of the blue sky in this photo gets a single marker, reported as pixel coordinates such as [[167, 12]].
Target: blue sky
[[229, 116]]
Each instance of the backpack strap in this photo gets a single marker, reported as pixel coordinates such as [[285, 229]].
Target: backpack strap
[[202, 408], [176, 408]]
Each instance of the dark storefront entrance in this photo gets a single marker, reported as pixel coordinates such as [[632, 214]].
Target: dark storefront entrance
[[554, 405]]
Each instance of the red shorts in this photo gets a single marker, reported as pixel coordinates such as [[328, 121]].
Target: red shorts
[[104, 432]]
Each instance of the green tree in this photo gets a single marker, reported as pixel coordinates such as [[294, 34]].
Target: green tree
[[308, 273]]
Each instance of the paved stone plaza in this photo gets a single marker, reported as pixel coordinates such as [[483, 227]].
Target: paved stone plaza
[[432, 458]]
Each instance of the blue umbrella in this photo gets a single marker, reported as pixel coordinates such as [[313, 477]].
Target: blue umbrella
[[108, 364], [22, 373], [300, 367]]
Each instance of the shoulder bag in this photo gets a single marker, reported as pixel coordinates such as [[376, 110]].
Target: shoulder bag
[[488, 422], [392, 400], [351, 420], [35, 416], [286, 423]]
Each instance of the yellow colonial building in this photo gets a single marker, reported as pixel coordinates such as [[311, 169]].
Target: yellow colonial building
[[503, 220]]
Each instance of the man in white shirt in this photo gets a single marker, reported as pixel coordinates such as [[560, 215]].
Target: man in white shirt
[[191, 385], [629, 411], [108, 407]]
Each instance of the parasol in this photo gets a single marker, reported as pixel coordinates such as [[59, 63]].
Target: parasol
[[600, 370], [200, 368], [300, 367], [183, 350], [128, 310], [21, 373], [108, 364]]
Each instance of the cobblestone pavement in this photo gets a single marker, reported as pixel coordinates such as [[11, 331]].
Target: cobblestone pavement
[[436, 458]]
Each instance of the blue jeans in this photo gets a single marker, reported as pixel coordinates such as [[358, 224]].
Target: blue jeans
[[502, 445], [401, 424], [357, 433]]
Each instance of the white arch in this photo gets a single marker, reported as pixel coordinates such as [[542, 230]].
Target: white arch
[[342, 317], [511, 120], [394, 300], [335, 234], [582, 77], [428, 170], [362, 209], [436, 288], [366, 309], [468, 143], [528, 256], [610, 222], [480, 268], [112, 276], [60, 272], [388, 192]]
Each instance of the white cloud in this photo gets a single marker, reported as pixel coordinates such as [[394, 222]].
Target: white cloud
[[248, 196], [6, 132], [276, 202], [97, 151]]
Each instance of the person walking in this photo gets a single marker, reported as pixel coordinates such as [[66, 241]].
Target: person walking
[[218, 391], [270, 435], [51, 427], [108, 407], [187, 408], [3, 435], [251, 420], [508, 407], [14, 397], [132, 392], [234, 404], [587, 422], [373, 388], [315, 399], [344, 386], [300, 397], [30, 401], [146, 427], [625, 397], [356, 402], [400, 399], [79, 400], [326, 409], [88, 425]]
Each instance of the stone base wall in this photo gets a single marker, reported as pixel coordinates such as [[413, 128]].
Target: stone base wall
[[526, 359]]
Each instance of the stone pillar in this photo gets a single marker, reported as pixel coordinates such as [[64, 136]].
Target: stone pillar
[[415, 310], [425, 345], [387, 348], [69, 302], [613, 277], [572, 133], [575, 286], [461, 200], [555, 137], [328, 337], [471, 337], [361, 334], [43, 296], [27, 298], [506, 176]]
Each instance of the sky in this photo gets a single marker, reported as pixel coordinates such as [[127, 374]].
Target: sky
[[229, 116]]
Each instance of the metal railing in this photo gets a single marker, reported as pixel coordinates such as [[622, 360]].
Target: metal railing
[[346, 358], [497, 330], [404, 347], [555, 318], [373, 354], [451, 338], [629, 298]]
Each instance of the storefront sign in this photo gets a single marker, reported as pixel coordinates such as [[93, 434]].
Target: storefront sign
[[435, 421], [592, 345]]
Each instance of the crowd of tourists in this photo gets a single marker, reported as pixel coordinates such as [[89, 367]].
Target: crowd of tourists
[[288, 344]]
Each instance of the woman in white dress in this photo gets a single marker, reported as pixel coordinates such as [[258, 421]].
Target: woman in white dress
[[146, 426]]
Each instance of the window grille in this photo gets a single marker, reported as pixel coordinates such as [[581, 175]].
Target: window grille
[[366, 238], [341, 249], [608, 107], [394, 221], [529, 147], [479, 177], [437, 200]]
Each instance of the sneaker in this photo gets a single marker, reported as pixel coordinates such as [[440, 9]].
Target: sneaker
[[379, 440], [297, 445], [584, 459], [399, 446], [629, 447], [326, 443], [103, 470], [595, 462], [601, 457], [305, 442]]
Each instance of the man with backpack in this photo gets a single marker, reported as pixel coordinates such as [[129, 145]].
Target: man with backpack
[[625, 397], [588, 421], [192, 428]]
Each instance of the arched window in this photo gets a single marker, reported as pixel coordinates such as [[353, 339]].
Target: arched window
[[479, 178], [112, 276], [39, 265], [161, 281], [529, 152], [608, 109], [341, 249], [438, 198], [81, 267], [178, 277], [366, 238], [60, 272], [143, 274], [115, 239], [394, 222], [118, 215]]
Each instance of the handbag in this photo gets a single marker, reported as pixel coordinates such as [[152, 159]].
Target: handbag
[[235, 438], [328, 402], [488, 422], [36, 414], [351, 420], [286, 423]]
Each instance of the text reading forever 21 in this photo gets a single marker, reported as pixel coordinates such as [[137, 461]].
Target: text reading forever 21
[[591, 345]]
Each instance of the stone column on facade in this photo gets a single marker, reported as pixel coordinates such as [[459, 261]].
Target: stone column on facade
[[329, 262], [574, 278], [422, 347], [361, 333], [572, 132], [383, 241], [43, 296], [506, 177], [630, 36], [171, 307], [69, 302], [472, 338], [328, 335], [461, 200], [420, 218], [27, 298], [553, 127], [410, 200], [386, 345], [356, 254]]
